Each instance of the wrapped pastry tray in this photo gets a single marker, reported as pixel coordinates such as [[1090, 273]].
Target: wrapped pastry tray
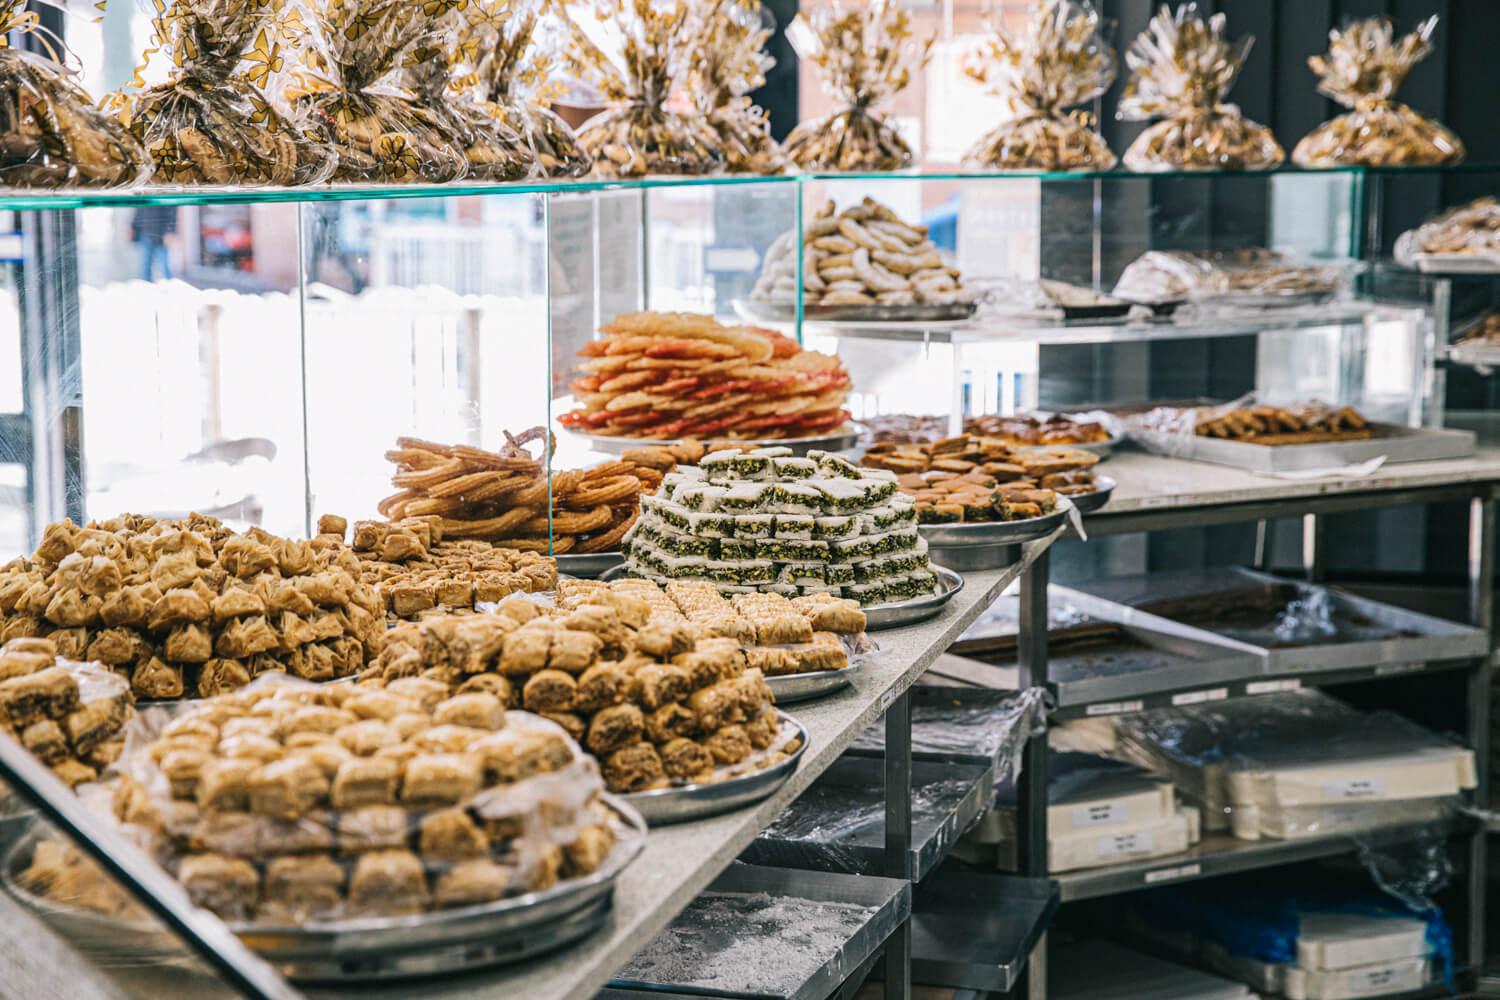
[[1286, 299], [838, 824], [962, 724], [1392, 442], [1088, 503], [1106, 654], [918, 609], [588, 566], [838, 440], [1478, 354], [756, 310], [789, 689], [1457, 263], [768, 934], [1294, 627], [679, 804], [440, 942]]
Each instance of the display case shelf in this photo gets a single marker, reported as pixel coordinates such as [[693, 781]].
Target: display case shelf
[[818, 954], [975, 932]]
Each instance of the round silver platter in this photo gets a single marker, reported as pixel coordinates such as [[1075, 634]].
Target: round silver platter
[[839, 440], [918, 609], [1103, 448], [435, 943], [988, 544], [792, 688], [588, 565], [755, 310], [687, 802], [1087, 503]]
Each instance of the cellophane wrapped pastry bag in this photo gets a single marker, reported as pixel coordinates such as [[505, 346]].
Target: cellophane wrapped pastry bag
[[637, 53], [511, 64], [52, 134], [1060, 61], [1364, 67], [351, 85], [1182, 68], [213, 120], [865, 54], [729, 62]]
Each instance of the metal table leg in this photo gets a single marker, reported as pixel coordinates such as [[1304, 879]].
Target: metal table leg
[[1031, 797], [1481, 571], [897, 964]]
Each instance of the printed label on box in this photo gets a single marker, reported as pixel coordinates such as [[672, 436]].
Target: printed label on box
[[1377, 979], [1102, 814], [1355, 788], [1140, 842]]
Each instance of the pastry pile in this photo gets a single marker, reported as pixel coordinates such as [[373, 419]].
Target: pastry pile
[[417, 572], [675, 375], [69, 715], [1027, 430], [1473, 228], [503, 496], [976, 479], [189, 607], [763, 520], [1169, 275], [1300, 423], [656, 699], [864, 255], [285, 803]]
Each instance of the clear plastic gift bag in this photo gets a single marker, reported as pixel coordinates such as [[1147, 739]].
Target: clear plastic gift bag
[[495, 149], [1364, 67], [730, 61], [349, 84], [51, 132], [1061, 61], [635, 52], [511, 66], [1472, 229], [865, 54], [213, 120], [1182, 67]]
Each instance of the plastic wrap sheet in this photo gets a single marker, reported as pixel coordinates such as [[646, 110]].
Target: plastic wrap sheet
[[729, 61], [53, 133], [69, 715], [265, 812], [1182, 68], [1364, 67], [636, 52], [511, 62], [864, 54], [350, 85], [997, 731], [1473, 228], [213, 121], [1061, 61], [1227, 277], [1298, 764], [1260, 917]]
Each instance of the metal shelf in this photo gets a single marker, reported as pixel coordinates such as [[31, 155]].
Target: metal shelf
[[974, 931], [721, 966], [839, 824], [1222, 854]]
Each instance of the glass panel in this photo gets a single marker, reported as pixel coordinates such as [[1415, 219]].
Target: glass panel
[[424, 318]]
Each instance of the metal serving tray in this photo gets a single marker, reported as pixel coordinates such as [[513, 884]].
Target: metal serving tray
[[718, 958], [1088, 503], [441, 942], [918, 609], [678, 805], [792, 688], [1391, 441], [838, 824], [756, 310], [1457, 263], [989, 544], [973, 931], [1240, 606], [588, 566]]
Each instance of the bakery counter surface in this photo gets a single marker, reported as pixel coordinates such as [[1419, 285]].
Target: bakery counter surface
[[1156, 492], [677, 863]]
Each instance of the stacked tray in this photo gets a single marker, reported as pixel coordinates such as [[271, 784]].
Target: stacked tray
[[989, 544]]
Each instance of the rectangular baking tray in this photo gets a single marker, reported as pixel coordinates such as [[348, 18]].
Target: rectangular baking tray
[[974, 931], [838, 824], [813, 975], [966, 724], [1119, 654], [1238, 605], [1392, 441]]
